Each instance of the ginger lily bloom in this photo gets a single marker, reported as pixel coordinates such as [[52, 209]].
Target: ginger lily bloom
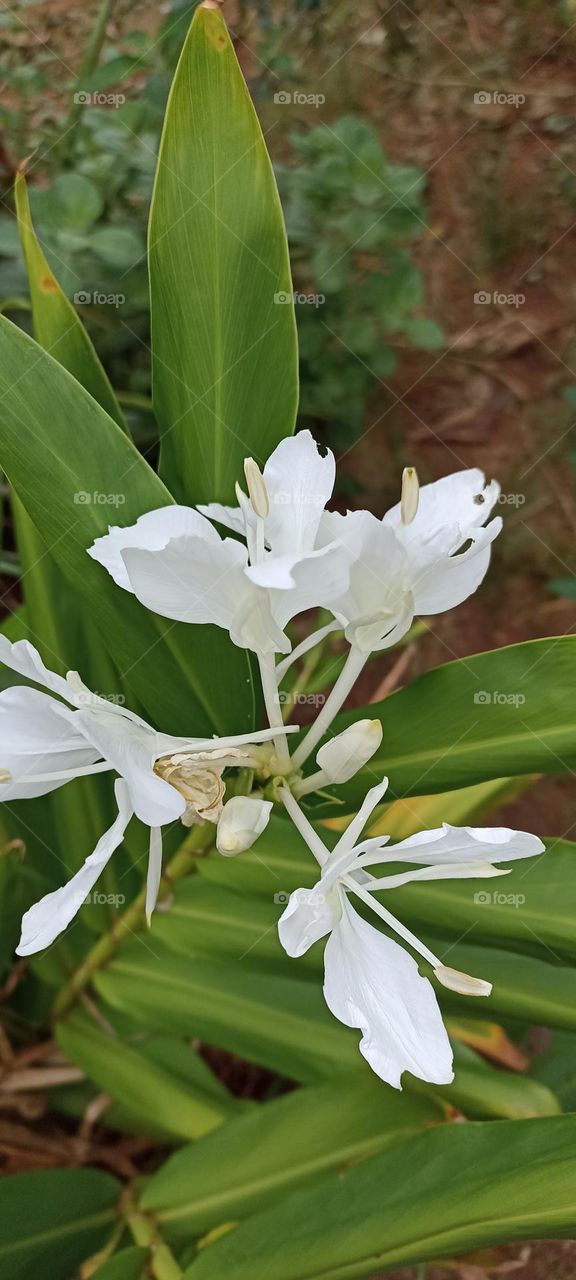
[[50, 738], [177, 564], [428, 554], [370, 981]]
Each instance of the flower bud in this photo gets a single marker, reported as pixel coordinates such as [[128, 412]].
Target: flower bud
[[257, 491], [344, 755], [242, 820], [410, 495], [462, 982]]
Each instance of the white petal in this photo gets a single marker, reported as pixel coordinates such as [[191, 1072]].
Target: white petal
[[229, 517], [376, 609], [318, 580], [42, 924], [342, 757], [440, 871], [253, 625], [310, 915], [132, 750], [372, 983], [449, 580], [152, 532], [461, 844], [190, 580], [299, 482], [154, 870], [38, 737], [25, 659], [242, 820], [462, 500]]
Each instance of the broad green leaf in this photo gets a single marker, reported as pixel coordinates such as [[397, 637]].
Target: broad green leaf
[[206, 919], [55, 623], [481, 1092], [93, 475], [281, 1023], [510, 711], [445, 1192], [52, 1220], [530, 910], [224, 346], [151, 1096], [57, 327], [290, 1142]]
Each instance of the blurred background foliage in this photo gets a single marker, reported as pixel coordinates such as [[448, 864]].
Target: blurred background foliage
[[418, 214]]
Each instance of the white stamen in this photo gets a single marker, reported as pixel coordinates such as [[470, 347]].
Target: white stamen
[[257, 490], [462, 982], [410, 495]]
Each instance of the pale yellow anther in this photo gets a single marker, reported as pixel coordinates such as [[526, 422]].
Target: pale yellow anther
[[462, 982], [257, 491], [5, 776], [410, 495]]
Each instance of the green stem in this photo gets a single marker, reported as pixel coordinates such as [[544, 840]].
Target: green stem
[[162, 1263], [132, 920], [88, 65]]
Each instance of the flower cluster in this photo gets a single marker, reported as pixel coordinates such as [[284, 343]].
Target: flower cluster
[[287, 554]]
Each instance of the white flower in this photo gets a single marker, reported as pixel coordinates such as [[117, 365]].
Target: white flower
[[428, 554], [341, 757], [176, 563], [47, 742], [370, 981], [243, 819]]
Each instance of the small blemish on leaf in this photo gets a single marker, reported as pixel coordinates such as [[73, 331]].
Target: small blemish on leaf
[[48, 284]]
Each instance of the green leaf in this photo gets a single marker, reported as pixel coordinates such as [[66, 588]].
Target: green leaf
[[531, 911], [290, 1142], [424, 333], [450, 1190], [72, 203], [93, 476], [510, 711], [224, 351], [52, 1220], [281, 1023], [206, 919], [57, 327], [118, 246], [156, 1101]]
